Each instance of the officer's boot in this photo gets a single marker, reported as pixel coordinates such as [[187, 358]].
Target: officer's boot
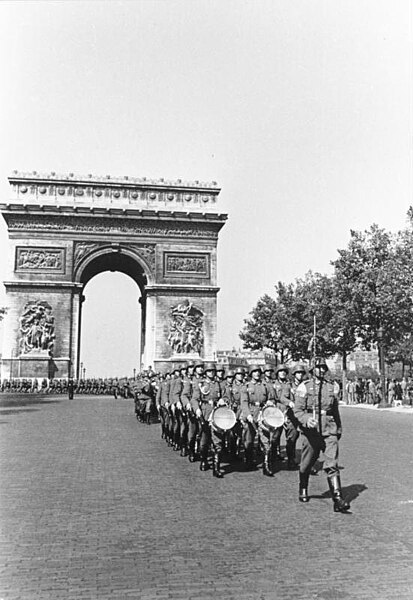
[[217, 466], [148, 418], [266, 469], [303, 493], [290, 448], [204, 466], [334, 483]]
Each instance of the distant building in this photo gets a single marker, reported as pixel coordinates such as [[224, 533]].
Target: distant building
[[231, 359], [356, 360]]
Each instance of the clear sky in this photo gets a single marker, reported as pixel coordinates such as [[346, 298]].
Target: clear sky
[[300, 109]]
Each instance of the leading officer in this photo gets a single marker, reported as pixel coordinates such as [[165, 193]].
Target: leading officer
[[316, 409]]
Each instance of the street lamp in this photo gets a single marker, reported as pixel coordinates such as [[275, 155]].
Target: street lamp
[[81, 370], [380, 336], [134, 374]]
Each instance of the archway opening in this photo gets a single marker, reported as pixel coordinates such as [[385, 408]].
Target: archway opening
[[110, 325]]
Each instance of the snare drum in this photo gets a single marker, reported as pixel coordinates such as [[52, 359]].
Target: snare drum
[[272, 417], [223, 418]]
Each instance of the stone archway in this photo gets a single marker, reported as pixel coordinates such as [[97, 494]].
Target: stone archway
[[65, 229]]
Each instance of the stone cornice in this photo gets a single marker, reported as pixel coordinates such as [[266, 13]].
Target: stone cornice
[[117, 192], [174, 290], [94, 211], [54, 285], [144, 223]]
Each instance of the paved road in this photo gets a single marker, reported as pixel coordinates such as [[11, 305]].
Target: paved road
[[94, 506]]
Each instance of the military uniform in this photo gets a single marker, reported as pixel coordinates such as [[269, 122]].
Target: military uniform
[[162, 404], [232, 395], [317, 401], [186, 393], [175, 408], [193, 421], [205, 397], [254, 395]]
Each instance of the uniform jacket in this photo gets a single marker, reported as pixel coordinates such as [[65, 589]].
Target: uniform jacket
[[205, 395], [232, 395], [253, 397], [186, 392], [283, 393], [175, 390], [162, 396], [307, 397]]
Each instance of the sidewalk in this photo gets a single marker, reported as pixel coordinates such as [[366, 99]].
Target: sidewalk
[[407, 410]]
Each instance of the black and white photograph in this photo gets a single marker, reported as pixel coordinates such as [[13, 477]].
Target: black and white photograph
[[206, 300]]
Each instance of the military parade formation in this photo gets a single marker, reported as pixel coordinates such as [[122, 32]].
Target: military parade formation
[[205, 411]]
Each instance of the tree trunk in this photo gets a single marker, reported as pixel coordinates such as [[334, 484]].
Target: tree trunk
[[344, 377]]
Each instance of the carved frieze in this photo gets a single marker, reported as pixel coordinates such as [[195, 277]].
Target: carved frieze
[[146, 251], [189, 264], [35, 259], [186, 334], [81, 250], [113, 225], [37, 329]]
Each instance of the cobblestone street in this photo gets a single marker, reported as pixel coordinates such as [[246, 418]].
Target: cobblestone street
[[94, 505]]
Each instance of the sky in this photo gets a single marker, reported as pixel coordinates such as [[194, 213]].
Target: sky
[[300, 110]]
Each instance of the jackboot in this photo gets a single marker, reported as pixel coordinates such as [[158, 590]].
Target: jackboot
[[184, 450], [217, 467], [334, 483], [266, 469], [303, 492], [204, 465]]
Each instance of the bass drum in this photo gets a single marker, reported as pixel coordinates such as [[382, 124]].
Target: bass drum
[[272, 417], [223, 418]]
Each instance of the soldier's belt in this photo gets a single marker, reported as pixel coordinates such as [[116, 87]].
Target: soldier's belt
[[321, 412], [254, 403]]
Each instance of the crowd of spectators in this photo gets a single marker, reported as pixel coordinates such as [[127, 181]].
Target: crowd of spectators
[[369, 391]]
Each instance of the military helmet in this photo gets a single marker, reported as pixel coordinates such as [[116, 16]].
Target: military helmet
[[319, 361], [220, 368], [191, 364], [210, 366], [281, 367], [255, 368], [268, 367], [299, 368], [199, 363], [240, 371], [184, 366], [230, 373]]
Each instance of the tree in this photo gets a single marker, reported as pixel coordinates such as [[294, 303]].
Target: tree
[[286, 324], [371, 276]]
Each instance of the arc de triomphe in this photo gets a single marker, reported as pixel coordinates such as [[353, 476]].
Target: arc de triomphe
[[63, 230]]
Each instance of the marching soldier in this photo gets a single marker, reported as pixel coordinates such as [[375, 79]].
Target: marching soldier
[[316, 408], [185, 407], [175, 406], [221, 375], [283, 392], [254, 395], [291, 424], [205, 397], [162, 404], [232, 396], [193, 421]]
